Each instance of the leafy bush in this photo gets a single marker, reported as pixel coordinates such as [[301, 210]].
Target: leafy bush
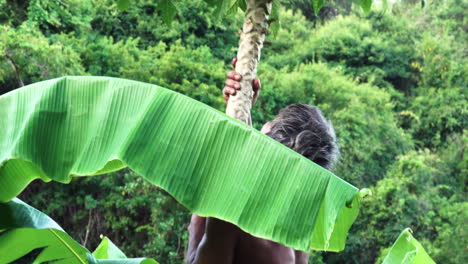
[[34, 56], [64, 16], [294, 31], [441, 64], [194, 72], [194, 26], [380, 50], [419, 192], [103, 57], [438, 114]]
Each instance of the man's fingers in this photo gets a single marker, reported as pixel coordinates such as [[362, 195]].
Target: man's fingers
[[234, 61], [232, 84], [234, 75], [228, 91], [256, 85]]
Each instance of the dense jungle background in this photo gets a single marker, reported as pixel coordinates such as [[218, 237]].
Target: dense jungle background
[[393, 82]]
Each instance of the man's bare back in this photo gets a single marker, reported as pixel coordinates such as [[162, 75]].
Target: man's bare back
[[225, 243], [255, 250]]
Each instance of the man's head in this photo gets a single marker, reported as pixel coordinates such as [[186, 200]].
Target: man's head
[[304, 129]]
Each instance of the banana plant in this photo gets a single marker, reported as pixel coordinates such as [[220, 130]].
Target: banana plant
[[25, 230], [213, 164]]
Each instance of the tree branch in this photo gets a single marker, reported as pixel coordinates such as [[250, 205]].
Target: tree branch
[[15, 67], [88, 227]]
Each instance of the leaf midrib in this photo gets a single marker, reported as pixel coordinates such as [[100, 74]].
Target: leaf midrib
[[68, 246]]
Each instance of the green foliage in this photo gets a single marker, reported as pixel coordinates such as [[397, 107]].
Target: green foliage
[[366, 53], [123, 4], [223, 7], [438, 17], [27, 235], [13, 12], [418, 192], [295, 30], [451, 240], [50, 16], [103, 57], [188, 71], [315, 258], [143, 218], [54, 16], [441, 62], [366, 5], [35, 57], [380, 51], [438, 113], [451, 14], [317, 5], [194, 26], [393, 80], [194, 72]]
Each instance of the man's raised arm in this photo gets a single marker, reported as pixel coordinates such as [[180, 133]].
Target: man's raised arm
[[212, 240], [196, 232]]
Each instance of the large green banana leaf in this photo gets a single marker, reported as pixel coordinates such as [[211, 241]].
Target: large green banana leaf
[[407, 250], [213, 164], [24, 229]]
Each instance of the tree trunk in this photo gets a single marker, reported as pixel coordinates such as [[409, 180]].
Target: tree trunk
[[251, 42], [15, 68]]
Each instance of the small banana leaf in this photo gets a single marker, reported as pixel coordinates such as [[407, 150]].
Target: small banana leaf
[[407, 250], [108, 253], [24, 229], [108, 250], [213, 164]]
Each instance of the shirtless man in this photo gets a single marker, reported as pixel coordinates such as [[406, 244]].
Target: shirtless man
[[303, 129]]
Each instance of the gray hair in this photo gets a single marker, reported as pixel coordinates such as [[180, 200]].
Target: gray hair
[[304, 129]]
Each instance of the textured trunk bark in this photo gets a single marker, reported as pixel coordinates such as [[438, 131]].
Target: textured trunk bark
[[15, 68], [251, 42]]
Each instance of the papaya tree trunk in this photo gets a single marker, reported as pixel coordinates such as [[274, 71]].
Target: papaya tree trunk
[[251, 42]]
